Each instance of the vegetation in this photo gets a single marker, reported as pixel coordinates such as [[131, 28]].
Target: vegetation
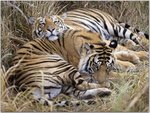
[[130, 89]]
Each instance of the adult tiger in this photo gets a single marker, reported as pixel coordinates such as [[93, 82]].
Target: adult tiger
[[43, 65], [47, 26], [103, 23]]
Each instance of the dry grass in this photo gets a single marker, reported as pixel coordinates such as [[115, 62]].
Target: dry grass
[[130, 89]]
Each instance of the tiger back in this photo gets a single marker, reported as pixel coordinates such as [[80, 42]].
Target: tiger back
[[103, 23]]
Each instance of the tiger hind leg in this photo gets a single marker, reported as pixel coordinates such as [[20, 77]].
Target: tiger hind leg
[[44, 96]]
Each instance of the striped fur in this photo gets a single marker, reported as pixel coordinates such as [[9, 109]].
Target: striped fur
[[103, 23], [48, 68], [122, 55]]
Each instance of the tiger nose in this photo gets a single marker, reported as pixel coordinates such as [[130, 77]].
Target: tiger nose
[[50, 28], [53, 29]]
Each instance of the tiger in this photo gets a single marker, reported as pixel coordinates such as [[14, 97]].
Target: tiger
[[126, 59], [51, 32], [103, 23], [46, 67], [98, 21]]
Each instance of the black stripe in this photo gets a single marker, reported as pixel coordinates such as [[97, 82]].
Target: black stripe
[[76, 92], [59, 41], [124, 32], [80, 81], [119, 29], [61, 79], [54, 87], [90, 27], [36, 47], [131, 35], [62, 70], [40, 62], [116, 30], [126, 25], [26, 47], [78, 76], [102, 58], [27, 69], [87, 64], [46, 45], [22, 77], [80, 13], [23, 53], [57, 72], [63, 41], [147, 36], [71, 77], [51, 79], [48, 79], [62, 65], [27, 83], [65, 90], [105, 26], [104, 22]]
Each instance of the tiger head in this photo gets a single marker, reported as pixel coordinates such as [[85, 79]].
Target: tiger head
[[48, 27], [97, 60]]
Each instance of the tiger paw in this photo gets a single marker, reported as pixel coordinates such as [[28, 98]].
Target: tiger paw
[[105, 84], [125, 66], [100, 92]]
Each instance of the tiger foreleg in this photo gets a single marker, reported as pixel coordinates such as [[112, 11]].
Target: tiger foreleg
[[127, 55], [75, 103], [83, 96], [87, 94], [91, 93], [125, 66], [143, 55]]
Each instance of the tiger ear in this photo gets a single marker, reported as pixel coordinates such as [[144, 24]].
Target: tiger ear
[[88, 47], [31, 20], [85, 49], [64, 16], [53, 17]]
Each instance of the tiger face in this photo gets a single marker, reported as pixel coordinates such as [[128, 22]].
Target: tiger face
[[97, 60], [49, 27]]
